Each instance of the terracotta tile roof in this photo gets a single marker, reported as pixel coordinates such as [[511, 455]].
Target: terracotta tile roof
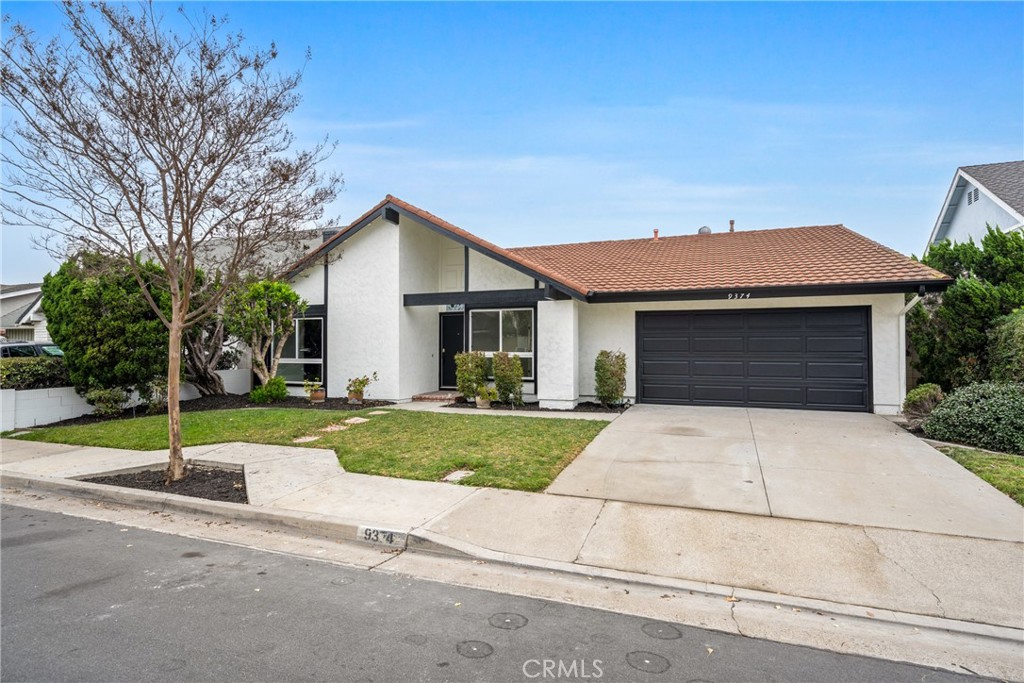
[[815, 255], [808, 256]]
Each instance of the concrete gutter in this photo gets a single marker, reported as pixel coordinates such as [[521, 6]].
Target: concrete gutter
[[949, 644]]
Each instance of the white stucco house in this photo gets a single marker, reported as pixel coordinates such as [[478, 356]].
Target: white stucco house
[[21, 314], [987, 194], [808, 317]]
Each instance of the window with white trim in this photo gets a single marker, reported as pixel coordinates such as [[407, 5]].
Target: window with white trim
[[303, 356], [504, 329]]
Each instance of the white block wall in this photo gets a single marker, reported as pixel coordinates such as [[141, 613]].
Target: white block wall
[[557, 345]]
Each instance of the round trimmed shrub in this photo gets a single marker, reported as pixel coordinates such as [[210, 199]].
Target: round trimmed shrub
[[921, 401], [987, 415]]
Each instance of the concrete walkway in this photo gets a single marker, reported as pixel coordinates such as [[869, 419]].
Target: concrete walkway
[[850, 468], [903, 575]]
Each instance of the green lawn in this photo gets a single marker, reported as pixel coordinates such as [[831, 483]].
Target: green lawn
[[1005, 472], [505, 452]]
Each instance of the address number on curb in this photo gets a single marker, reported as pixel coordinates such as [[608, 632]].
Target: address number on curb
[[369, 534]]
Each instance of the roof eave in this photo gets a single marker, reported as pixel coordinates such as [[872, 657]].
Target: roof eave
[[766, 292]]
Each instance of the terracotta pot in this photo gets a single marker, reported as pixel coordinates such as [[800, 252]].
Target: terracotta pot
[[355, 397], [318, 395]]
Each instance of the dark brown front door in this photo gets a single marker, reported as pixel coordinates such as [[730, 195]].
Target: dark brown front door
[[452, 342]]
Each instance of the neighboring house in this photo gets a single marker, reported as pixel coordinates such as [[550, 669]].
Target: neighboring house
[[988, 194], [21, 315], [809, 317]]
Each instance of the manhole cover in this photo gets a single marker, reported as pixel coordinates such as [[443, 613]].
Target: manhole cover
[[661, 631], [474, 649], [508, 621], [647, 662]]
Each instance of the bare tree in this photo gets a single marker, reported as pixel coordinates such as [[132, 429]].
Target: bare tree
[[128, 137]]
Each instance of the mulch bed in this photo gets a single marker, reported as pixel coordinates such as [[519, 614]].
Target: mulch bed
[[585, 407], [211, 483], [228, 402]]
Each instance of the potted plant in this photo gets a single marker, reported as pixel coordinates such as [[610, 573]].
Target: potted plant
[[484, 396], [314, 389], [357, 385]]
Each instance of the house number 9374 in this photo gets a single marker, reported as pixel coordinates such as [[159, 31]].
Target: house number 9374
[[739, 295]]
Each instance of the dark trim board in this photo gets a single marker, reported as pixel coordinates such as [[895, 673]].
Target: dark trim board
[[488, 298], [810, 358], [740, 294]]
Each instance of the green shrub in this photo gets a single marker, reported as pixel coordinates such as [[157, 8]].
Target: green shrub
[[921, 401], [470, 372], [508, 378], [987, 415], [107, 402], [610, 377], [42, 372], [273, 391], [1006, 348]]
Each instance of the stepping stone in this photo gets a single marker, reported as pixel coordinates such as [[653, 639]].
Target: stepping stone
[[378, 412], [458, 475], [356, 420], [305, 439], [334, 428]]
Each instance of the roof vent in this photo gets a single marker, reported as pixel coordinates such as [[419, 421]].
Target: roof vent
[[655, 234], [732, 225], [704, 230]]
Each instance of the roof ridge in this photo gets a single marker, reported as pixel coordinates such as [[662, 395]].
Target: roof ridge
[[674, 237]]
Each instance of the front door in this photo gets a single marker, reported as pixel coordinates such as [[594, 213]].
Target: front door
[[452, 336]]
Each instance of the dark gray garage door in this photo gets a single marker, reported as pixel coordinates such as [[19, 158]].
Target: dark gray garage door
[[785, 358]]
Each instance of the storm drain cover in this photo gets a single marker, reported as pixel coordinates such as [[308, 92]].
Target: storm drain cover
[[474, 649], [661, 631], [508, 621], [647, 662]]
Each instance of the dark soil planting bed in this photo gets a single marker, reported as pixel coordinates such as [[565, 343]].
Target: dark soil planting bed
[[585, 407], [210, 483]]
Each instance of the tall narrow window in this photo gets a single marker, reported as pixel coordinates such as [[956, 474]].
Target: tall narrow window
[[509, 330], [303, 355]]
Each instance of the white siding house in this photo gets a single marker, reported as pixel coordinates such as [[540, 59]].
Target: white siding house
[[981, 196], [800, 317]]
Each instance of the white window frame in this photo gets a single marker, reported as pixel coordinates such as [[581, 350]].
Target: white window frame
[[522, 354], [305, 361]]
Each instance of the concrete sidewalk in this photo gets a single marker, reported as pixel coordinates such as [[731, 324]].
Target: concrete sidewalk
[[961, 584]]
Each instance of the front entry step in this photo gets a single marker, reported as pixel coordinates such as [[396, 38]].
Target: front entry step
[[444, 395]]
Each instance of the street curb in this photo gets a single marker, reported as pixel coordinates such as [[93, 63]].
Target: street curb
[[992, 638], [309, 523]]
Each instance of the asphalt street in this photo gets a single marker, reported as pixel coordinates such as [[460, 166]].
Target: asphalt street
[[82, 600]]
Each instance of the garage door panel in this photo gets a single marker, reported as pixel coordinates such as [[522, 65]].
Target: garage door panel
[[781, 369], [652, 369], [837, 317], [788, 344], [665, 321], [835, 397], [777, 395], [838, 344], [781, 321], [718, 368], [717, 321], [718, 344], [665, 344], [667, 393], [836, 371], [721, 393], [810, 358]]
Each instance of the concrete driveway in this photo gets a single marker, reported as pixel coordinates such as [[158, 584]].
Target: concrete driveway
[[849, 468]]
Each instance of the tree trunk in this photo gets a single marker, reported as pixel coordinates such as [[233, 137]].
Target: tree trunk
[[176, 466]]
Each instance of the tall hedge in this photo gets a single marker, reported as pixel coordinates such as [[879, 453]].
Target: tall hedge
[[950, 331], [1006, 348], [99, 317]]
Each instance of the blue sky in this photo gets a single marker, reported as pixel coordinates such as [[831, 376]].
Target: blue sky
[[537, 123]]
